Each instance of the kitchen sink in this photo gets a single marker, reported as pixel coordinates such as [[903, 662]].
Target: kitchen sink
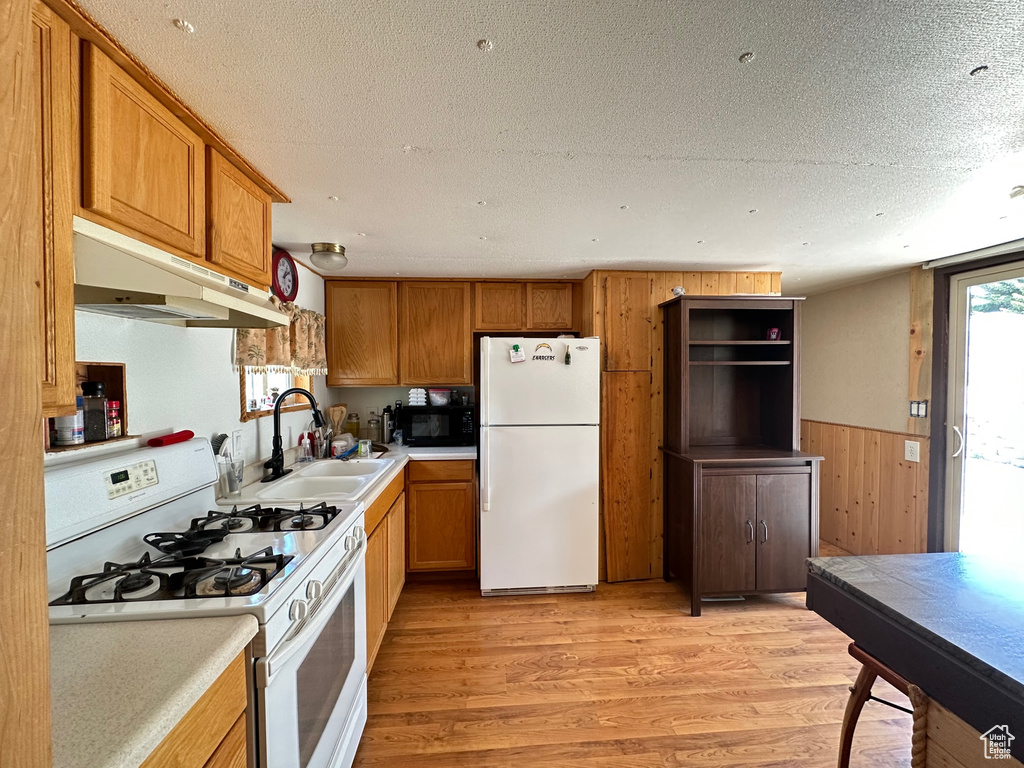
[[350, 468], [330, 481]]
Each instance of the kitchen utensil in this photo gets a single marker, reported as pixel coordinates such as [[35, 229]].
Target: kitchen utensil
[[336, 413], [180, 437]]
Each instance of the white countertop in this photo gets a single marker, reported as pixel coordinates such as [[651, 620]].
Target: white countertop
[[118, 688], [433, 454]]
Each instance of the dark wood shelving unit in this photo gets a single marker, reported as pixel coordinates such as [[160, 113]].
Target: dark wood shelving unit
[[740, 498]]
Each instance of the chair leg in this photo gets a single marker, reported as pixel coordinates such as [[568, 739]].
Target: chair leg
[[858, 696]]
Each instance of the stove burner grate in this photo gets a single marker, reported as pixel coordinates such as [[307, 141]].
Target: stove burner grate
[[178, 577]]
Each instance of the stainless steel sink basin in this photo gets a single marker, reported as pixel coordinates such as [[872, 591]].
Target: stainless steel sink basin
[[326, 481]]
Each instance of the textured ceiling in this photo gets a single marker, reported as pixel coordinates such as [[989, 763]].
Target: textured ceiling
[[856, 133]]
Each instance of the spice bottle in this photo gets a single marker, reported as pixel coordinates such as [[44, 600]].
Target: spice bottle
[[113, 418]]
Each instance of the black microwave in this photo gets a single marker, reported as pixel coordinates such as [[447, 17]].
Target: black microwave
[[429, 425]]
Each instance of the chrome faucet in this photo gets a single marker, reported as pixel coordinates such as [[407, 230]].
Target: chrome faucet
[[276, 461]]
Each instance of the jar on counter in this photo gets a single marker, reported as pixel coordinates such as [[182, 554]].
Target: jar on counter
[[352, 425], [372, 430], [94, 406], [71, 429]]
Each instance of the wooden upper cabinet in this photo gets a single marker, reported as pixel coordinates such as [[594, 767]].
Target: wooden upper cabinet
[[549, 306], [142, 167], [237, 222], [436, 336], [362, 333], [499, 307], [55, 138], [627, 322]]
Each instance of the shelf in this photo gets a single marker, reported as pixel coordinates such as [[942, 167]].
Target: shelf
[[93, 444], [729, 343], [739, 362]]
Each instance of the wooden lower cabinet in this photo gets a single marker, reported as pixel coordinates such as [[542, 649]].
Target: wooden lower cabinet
[[742, 528], [396, 553], [385, 565], [211, 734], [376, 589], [442, 518]]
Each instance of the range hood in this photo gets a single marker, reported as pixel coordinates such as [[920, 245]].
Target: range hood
[[118, 275]]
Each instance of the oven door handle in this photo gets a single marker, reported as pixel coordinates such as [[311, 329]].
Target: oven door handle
[[342, 578]]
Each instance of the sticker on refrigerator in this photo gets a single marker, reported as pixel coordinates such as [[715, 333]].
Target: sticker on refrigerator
[[543, 352], [516, 354]]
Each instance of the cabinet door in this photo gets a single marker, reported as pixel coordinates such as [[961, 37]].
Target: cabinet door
[[548, 306], [442, 526], [376, 589], [55, 138], [141, 166], [728, 514], [783, 531], [232, 752], [362, 333], [436, 338], [237, 221], [627, 322], [396, 552], [499, 307]]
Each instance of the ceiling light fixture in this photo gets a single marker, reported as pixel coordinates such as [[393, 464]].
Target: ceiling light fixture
[[481, 202], [360, 234], [485, 45], [184, 26], [333, 198], [700, 242], [746, 58], [624, 207], [328, 256]]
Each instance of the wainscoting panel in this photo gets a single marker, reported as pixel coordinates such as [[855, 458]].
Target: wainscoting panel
[[873, 501]]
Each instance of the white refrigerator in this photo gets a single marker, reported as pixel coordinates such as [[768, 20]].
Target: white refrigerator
[[539, 464]]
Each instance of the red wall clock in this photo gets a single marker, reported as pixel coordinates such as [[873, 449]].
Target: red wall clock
[[285, 275]]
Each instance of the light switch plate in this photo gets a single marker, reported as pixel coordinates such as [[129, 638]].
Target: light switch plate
[[911, 450], [236, 443]]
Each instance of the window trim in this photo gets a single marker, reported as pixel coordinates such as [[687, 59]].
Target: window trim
[[306, 382]]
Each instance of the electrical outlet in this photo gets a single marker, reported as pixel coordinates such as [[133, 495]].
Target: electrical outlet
[[911, 450]]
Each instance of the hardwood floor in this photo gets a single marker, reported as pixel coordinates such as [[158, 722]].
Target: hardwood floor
[[623, 678]]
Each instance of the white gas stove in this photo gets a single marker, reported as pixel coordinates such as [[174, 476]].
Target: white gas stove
[[139, 535]]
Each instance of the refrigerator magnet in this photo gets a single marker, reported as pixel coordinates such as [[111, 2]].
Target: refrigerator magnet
[[516, 354]]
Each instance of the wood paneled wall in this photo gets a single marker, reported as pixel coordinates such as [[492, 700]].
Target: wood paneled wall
[[24, 621], [873, 501], [622, 308]]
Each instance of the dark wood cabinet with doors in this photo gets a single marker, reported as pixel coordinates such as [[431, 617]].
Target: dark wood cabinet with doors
[[741, 499]]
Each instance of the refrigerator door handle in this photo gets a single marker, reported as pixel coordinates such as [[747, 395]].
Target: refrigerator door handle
[[485, 472]]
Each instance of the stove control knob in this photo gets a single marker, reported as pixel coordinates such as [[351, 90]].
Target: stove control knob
[[298, 610], [314, 589], [351, 542]]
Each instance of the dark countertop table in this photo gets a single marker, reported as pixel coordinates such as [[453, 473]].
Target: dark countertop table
[[949, 623]]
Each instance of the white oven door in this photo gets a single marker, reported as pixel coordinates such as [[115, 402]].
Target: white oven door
[[311, 689]]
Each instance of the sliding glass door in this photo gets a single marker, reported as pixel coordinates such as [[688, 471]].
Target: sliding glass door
[[985, 462]]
